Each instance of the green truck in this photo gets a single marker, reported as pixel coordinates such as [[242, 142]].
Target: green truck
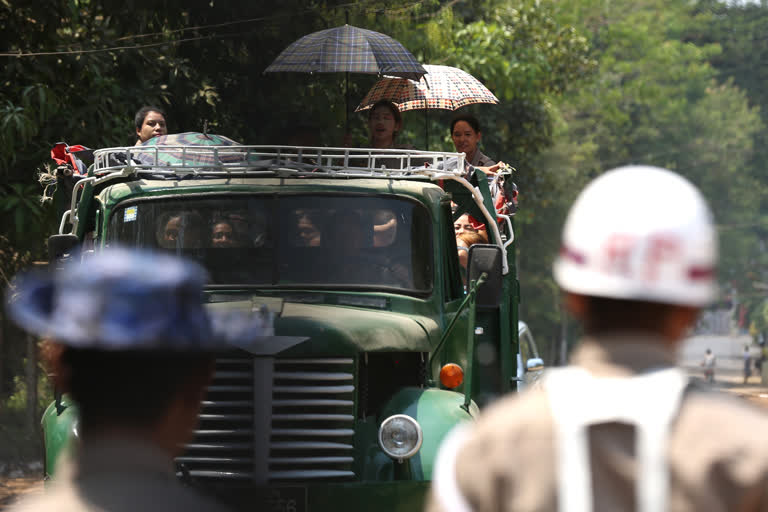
[[382, 347]]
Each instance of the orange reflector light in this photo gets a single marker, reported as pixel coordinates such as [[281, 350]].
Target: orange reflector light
[[451, 375]]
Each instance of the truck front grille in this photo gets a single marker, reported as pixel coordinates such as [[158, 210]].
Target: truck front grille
[[301, 429], [223, 445], [312, 419]]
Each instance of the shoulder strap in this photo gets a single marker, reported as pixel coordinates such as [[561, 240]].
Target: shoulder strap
[[649, 402]]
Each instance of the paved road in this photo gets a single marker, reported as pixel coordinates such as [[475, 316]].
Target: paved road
[[727, 349], [12, 489]]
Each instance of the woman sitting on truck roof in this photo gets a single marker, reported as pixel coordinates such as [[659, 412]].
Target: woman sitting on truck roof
[[150, 122]]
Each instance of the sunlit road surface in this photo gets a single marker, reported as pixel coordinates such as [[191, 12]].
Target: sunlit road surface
[[11, 489], [729, 371]]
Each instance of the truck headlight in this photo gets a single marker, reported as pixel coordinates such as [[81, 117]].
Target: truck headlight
[[400, 437]]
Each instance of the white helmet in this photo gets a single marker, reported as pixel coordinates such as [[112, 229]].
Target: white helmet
[[640, 233]]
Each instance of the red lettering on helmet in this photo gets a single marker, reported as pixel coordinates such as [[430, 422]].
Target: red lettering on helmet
[[698, 273], [661, 249], [574, 256], [617, 254]]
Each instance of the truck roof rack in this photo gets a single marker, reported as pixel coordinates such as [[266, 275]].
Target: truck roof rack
[[240, 160], [319, 162]]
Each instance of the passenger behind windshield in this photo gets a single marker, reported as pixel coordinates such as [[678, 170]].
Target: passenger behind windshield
[[223, 234], [384, 228], [365, 253], [296, 241], [308, 231], [180, 230], [350, 234]]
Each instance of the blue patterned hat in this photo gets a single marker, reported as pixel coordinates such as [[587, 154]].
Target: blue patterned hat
[[119, 299]]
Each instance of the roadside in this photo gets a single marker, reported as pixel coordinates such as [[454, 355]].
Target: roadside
[[19, 481], [729, 371], [21, 467]]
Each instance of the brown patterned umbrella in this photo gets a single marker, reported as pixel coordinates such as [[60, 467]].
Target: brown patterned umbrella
[[442, 87]]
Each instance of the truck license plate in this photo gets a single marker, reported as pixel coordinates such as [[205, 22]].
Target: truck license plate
[[286, 499]]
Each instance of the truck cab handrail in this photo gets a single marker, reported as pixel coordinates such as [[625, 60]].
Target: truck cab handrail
[[254, 160]]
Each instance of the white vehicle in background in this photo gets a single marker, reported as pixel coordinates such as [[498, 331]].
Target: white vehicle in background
[[530, 365]]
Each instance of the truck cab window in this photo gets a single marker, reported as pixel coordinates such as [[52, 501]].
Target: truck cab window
[[291, 241]]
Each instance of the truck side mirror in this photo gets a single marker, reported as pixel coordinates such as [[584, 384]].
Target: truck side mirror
[[486, 258], [60, 246], [534, 364]]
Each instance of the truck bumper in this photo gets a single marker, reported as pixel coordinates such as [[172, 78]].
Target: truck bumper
[[353, 496]]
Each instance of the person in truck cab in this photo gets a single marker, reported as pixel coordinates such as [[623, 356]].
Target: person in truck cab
[[223, 234], [384, 228], [350, 233], [134, 347], [308, 232], [180, 230]]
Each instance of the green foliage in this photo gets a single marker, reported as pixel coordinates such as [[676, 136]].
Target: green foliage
[[17, 442], [654, 98], [585, 85], [520, 52], [20, 205], [203, 61], [16, 403]]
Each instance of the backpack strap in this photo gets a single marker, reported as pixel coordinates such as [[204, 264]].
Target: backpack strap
[[649, 402]]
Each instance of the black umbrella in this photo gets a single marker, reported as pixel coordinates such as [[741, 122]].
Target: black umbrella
[[348, 49]]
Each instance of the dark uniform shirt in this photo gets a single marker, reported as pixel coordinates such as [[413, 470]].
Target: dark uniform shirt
[[117, 475]]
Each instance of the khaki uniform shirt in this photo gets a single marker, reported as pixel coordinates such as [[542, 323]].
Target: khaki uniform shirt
[[481, 160], [717, 453], [117, 475]]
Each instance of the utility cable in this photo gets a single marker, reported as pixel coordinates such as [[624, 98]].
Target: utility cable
[[21, 53]]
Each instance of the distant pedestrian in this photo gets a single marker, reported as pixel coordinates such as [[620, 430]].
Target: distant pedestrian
[[747, 356], [620, 428], [134, 348], [709, 363]]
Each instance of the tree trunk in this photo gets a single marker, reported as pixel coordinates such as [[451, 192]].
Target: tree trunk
[[2, 357], [31, 381]]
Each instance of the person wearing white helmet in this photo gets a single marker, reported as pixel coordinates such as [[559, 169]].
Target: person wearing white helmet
[[620, 428]]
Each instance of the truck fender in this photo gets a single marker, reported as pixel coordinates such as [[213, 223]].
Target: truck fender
[[437, 411], [60, 428]]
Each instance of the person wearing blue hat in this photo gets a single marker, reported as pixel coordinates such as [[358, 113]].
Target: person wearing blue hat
[[134, 347]]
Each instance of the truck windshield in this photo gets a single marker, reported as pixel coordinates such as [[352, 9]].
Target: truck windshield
[[288, 241]]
